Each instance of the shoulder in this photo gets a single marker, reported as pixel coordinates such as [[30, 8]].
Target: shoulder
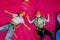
[[21, 18], [44, 19], [15, 15], [34, 19]]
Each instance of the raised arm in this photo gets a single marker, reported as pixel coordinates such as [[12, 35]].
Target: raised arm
[[28, 19], [48, 18], [8, 12]]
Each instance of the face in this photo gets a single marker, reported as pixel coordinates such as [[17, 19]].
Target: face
[[38, 15], [21, 15]]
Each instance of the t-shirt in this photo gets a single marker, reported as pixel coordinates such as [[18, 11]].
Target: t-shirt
[[39, 22], [17, 19]]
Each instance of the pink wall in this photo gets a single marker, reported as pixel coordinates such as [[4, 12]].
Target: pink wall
[[45, 6]]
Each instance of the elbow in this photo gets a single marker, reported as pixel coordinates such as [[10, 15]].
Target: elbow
[[30, 22]]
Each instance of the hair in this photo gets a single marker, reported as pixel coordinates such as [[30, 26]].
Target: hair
[[37, 12], [22, 12]]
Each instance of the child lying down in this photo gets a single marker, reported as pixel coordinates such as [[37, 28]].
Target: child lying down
[[16, 19]]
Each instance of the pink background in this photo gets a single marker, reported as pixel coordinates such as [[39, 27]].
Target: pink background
[[45, 6]]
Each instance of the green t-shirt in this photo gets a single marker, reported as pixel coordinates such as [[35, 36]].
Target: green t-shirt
[[40, 22]]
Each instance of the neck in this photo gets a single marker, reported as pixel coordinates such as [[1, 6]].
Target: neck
[[38, 17], [20, 16]]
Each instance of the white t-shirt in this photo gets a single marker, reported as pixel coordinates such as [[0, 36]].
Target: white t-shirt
[[17, 19]]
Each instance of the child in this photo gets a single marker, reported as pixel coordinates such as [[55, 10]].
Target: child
[[12, 25], [39, 22]]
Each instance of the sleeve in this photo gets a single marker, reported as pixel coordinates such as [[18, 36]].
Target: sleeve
[[44, 19], [21, 20], [33, 20]]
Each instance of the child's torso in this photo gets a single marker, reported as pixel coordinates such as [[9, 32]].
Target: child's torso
[[39, 22]]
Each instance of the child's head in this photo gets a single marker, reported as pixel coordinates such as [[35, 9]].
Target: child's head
[[22, 13], [38, 14]]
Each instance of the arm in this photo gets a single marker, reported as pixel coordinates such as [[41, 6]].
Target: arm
[[15, 34], [48, 18], [8, 12], [27, 26], [29, 19]]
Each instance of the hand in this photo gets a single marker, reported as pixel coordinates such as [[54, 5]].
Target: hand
[[48, 18], [6, 11], [47, 14], [29, 28]]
